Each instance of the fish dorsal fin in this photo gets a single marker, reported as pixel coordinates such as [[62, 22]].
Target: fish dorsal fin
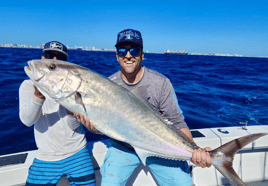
[[141, 93]]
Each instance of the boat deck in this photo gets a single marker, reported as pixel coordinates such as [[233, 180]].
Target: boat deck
[[250, 163], [64, 182]]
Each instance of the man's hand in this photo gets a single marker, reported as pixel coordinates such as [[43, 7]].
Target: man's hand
[[37, 93], [201, 157], [86, 122]]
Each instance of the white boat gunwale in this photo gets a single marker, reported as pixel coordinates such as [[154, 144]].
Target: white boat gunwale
[[12, 165]]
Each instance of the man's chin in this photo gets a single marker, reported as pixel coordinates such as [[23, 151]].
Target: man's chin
[[129, 70]]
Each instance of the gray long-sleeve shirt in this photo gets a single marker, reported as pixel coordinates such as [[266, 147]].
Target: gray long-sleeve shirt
[[158, 93], [57, 134]]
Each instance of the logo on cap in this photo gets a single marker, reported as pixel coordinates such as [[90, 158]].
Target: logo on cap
[[56, 45], [129, 35]]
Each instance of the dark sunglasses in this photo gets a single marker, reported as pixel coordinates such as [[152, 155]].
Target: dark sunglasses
[[133, 51], [52, 54]]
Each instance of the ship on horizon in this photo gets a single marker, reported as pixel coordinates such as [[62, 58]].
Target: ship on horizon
[[175, 52]]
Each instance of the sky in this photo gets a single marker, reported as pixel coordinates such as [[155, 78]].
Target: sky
[[194, 26]]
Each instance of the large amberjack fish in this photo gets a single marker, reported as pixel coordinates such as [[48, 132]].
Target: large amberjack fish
[[119, 114]]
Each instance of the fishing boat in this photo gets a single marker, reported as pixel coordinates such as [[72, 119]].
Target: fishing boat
[[250, 163]]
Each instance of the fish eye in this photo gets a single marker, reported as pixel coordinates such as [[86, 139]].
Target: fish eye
[[52, 67]]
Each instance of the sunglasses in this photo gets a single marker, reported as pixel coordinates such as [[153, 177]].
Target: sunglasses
[[133, 51], [52, 54]]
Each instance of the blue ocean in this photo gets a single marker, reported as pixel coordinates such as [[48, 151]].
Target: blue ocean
[[212, 91]]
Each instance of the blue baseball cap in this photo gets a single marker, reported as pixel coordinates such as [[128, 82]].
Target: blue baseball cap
[[55, 46], [129, 35]]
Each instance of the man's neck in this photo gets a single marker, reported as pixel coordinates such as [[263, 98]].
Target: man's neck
[[133, 78]]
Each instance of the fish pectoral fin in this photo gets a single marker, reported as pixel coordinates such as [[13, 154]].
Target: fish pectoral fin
[[79, 100], [143, 154]]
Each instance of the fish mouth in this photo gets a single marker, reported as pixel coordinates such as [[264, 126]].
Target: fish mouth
[[37, 80], [29, 70]]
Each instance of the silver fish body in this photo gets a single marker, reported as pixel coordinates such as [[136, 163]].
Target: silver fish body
[[119, 114], [114, 111]]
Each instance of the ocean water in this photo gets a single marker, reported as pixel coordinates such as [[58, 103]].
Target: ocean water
[[212, 91]]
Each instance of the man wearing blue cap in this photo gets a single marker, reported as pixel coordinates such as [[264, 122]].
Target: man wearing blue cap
[[158, 93], [59, 137]]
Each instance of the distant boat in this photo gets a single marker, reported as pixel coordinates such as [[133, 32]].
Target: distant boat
[[78, 47], [175, 52]]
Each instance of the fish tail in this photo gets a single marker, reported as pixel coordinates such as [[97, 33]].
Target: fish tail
[[222, 157]]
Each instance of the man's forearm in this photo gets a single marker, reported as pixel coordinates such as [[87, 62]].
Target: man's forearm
[[186, 133]]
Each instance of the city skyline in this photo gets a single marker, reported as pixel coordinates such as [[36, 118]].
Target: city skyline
[[89, 48], [229, 27], [41, 46]]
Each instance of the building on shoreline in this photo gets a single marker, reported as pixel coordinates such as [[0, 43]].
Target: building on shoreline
[[213, 54], [175, 52], [18, 46], [88, 48]]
